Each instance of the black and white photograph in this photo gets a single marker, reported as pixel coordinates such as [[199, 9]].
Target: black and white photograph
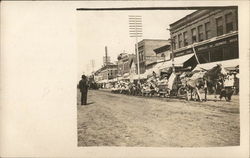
[[124, 79], [158, 77]]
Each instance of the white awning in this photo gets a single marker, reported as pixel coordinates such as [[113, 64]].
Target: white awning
[[180, 60], [227, 64], [165, 64]]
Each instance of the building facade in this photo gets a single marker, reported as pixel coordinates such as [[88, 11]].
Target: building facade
[[123, 63], [107, 72], [211, 34], [164, 52], [146, 52]]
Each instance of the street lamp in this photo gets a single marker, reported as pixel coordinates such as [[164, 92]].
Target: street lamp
[[135, 30]]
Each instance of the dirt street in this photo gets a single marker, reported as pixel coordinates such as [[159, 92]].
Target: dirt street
[[120, 120]]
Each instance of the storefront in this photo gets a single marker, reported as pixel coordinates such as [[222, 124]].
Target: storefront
[[213, 50]]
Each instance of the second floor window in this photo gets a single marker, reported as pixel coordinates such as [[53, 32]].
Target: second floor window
[[179, 40], [194, 35], [229, 22], [200, 33], [219, 26], [207, 30], [185, 42]]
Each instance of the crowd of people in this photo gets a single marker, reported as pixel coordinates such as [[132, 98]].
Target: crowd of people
[[180, 83]]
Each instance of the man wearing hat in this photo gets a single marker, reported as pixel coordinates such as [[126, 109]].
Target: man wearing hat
[[83, 86]]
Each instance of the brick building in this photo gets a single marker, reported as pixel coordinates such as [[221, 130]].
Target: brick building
[[164, 52], [123, 63], [146, 52], [212, 34], [107, 72]]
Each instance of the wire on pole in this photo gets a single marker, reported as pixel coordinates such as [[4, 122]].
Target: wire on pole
[[135, 30]]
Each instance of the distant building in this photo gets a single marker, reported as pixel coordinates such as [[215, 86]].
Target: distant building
[[123, 63], [211, 34], [107, 72], [164, 52], [146, 52]]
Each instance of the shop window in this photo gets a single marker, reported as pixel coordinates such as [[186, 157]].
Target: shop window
[[179, 40], [194, 35], [203, 57], [227, 53], [229, 22], [207, 30], [216, 55], [219, 26], [230, 52], [200, 33], [185, 41], [235, 51]]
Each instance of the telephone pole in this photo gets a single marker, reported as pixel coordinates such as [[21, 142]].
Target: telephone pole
[[172, 51], [92, 62], [135, 30]]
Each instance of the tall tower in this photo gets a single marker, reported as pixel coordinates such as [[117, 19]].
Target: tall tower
[[106, 58]]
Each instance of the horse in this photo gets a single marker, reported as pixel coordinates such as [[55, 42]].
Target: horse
[[212, 78], [204, 80]]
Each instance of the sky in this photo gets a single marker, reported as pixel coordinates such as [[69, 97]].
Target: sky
[[97, 29]]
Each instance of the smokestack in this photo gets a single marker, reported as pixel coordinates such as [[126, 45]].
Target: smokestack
[[106, 51], [106, 55]]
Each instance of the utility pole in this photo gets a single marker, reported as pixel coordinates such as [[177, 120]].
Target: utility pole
[[135, 30], [172, 51], [92, 62]]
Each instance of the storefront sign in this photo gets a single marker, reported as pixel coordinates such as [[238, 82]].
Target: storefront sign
[[207, 46], [233, 40], [220, 43], [202, 48]]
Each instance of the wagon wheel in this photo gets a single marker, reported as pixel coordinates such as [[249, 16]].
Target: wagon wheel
[[165, 95], [181, 91]]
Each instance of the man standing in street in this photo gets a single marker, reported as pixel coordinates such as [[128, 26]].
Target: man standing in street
[[83, 86]]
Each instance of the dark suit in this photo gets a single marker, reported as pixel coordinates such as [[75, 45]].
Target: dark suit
[[83, 86]]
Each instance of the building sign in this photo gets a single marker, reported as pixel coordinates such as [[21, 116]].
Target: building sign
[[203, 47], [233, 40], [188, 51], [207, 46]]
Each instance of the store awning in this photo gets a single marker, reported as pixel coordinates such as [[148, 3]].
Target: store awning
[[155, 69], [178, 62], [227, 64], [182, 59], [165, 64]]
